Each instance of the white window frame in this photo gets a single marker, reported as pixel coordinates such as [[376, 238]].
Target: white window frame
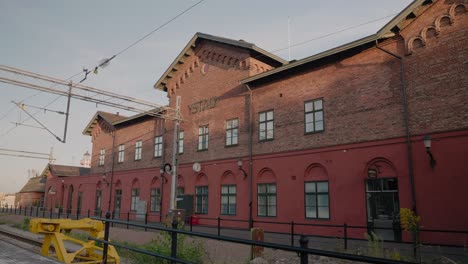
[[138, 149]]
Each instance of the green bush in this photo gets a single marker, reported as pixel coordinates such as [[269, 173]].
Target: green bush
[[192, 251], [25, 225]]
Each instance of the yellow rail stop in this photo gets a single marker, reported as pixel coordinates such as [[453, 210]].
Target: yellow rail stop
[[55, 231]]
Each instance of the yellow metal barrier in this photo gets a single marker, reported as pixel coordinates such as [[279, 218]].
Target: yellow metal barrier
[[55, 230]]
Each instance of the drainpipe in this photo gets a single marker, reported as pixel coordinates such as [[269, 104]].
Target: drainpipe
[[112, 172], [250, 159], [409, 151]]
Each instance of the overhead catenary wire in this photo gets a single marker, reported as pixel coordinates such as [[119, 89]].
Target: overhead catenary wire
[[107, 61]]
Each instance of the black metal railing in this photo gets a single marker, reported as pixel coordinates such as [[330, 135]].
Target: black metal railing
[[220, 225], [303, 251]]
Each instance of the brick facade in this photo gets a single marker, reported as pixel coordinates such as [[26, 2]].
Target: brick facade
[[364, 129]]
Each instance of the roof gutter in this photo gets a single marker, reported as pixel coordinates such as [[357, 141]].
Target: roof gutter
[[409, 152]]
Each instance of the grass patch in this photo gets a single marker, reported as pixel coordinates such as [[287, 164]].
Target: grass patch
[[187, 249]]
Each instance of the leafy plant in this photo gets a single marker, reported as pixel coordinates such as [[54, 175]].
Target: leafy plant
[[187, 249], [410, 222]]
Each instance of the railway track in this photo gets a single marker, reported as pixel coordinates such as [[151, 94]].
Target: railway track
[[17, 237]]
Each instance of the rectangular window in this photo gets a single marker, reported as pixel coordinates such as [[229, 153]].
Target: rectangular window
[[316, 200], [102, 157], [155, 200], [265, 126], [181, 142], [121, 157], [313, 119], [232, 132], [117, 203], [98, 202], [158, 146], [135, 199], [266, 193], [228, 199], [203, 138], [201, 200], [138, 148]]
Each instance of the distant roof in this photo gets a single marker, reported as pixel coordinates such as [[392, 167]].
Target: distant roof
[[108, 117], [394, 25], [68, 171], [34, 185], [266, 56], [114, 119]]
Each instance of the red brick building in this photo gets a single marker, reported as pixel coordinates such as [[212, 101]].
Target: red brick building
[[330, 139], [32, 193]]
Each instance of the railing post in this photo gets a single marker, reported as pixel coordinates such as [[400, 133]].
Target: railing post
[[77, 214], [50, 214], [37, 211], [174, 240], [30, 210], [19, 210], [88, 213], [219, 226], [146, 220], [292, 233], [128, 218], [43, 212], [304, 241], [106, 238], [191, 223], [68, 213], [345, 236], [60, 212], [113, 216], [25, 210]]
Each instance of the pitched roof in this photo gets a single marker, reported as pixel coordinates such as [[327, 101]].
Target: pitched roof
[[68, 171], [388, 30], [34, 185], [266, 56], [108, 117], [114, 119]]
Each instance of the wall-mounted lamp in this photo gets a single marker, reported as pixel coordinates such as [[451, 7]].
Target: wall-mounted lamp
[[371, 173], [427, 143], [239, 163]]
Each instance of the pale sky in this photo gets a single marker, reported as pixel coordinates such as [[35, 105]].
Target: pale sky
[[59, 38]]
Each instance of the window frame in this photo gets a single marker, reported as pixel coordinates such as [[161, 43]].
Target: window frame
[[312, 113], [267, 195], [134, 195], [201, 196], [102, 157], [317, 193], [121, 153], [98, 202], [180, 148], [155, 200], [231, 130], [266, 121], [229, 195], [138, 149], [204, 136], [158, 146]]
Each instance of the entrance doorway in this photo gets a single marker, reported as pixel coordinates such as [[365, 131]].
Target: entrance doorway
[[383, 208]]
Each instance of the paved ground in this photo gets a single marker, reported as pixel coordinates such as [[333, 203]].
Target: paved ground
[[12, 254]]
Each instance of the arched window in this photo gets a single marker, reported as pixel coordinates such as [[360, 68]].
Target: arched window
[[316, 192], [266, 193], [228, 194], [135, 194], [155, 195], [201, 194]]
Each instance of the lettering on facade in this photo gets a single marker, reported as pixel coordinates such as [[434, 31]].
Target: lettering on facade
[[203, 105]]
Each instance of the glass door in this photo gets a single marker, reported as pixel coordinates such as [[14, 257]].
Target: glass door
[[383, 208]]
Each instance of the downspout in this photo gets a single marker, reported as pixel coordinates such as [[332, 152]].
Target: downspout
[[112, 171], [250, 159], [409, 151], [161, 169]]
